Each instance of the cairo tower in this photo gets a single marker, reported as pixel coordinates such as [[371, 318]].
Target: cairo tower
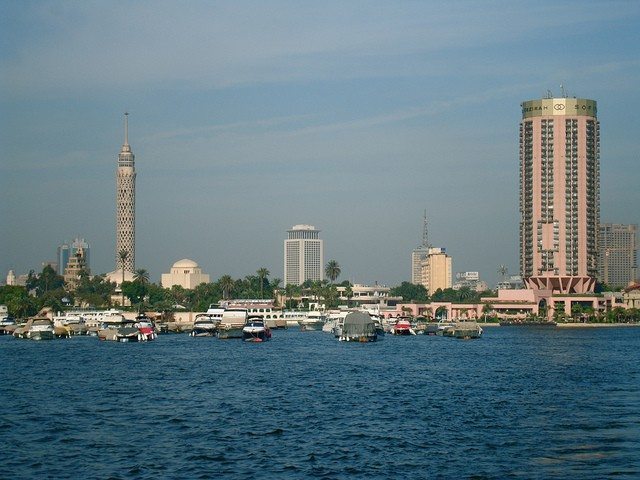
[[126, 204]]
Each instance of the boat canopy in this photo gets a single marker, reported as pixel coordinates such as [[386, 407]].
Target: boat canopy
[[358, 323]]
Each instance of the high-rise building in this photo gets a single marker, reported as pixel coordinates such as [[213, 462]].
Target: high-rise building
[[436, 270], [67, 251], [618, 254], [81, 244], [303, 255], [63, 257], [126, 204], [419, 254], [75, 268], [559, 194]]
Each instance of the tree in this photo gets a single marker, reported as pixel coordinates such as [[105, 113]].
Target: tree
[[487, 308], [262, 274], [465, 294], [227, 285], [135, 291], [46, 281], [348, 292], [18, 301], [141, 276], [94, 291], [410, 292], [332, 270]]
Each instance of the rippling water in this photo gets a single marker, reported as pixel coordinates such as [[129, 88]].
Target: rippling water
[[520, 403]]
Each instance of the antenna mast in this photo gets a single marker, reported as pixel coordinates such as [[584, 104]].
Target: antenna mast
[[126, 128], [425, 231]]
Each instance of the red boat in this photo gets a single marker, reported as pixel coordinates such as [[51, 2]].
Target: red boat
[[402, 327]]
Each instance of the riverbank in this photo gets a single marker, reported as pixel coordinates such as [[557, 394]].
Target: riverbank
[[597, 325]]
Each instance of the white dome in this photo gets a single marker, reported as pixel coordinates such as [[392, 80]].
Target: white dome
[[185, 263]]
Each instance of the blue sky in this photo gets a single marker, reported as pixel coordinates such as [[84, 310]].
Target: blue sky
[[250, 117]]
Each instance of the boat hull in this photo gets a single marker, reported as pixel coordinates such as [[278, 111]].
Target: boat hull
[[232, 332], [359, 338]]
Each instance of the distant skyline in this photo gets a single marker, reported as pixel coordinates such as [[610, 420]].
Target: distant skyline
[[249, 117]]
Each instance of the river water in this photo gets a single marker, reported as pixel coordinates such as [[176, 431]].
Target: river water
[[518, 403]]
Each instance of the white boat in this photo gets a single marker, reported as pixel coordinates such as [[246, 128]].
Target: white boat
[[232, 322], [256, 330], [7, 322], [334, 323], [205, 325], [293, 318], [464, 330], [71, 323], [314, 321], [38, 328]]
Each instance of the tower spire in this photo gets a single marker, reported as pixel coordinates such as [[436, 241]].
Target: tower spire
[[126, 128]]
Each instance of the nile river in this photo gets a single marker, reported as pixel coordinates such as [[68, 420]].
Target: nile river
[[518, 403]]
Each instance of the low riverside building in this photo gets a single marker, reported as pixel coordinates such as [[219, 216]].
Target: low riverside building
[[185, 273], [514, 304], [631, 296], [362, 295]]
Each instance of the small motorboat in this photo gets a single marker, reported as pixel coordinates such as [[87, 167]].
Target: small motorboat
[[205, 325], [129, 334], [256, 331], [37, 328], [464, 330], [7, 325], [402, 327], [146, 327]]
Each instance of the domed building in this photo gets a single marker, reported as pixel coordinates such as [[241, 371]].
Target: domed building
[[185, 273]]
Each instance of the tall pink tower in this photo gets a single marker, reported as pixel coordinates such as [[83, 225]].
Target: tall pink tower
[[559, 194], [126, 204]]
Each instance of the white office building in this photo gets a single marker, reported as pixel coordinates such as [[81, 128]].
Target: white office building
[[303, 255]]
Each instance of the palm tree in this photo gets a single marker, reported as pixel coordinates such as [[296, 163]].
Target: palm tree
[[123, 258], [332, 270], [226, 284], [348, 292], [141, 276], [262, 274]]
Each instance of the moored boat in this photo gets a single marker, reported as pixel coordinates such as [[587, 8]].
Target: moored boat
[[37, 328], [358, 327], [402, 327], [7, 322], [146, 327], [205, 325], [232, 322], [464, 330], [313, 321], [256, 331]]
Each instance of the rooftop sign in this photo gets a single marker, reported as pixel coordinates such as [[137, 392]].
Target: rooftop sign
[[569, 107]]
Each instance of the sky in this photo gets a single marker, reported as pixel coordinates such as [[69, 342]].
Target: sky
[[247, 118]]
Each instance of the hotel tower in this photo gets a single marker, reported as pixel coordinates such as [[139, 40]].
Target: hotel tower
[[559, 194], [126, 204], [303, 255]]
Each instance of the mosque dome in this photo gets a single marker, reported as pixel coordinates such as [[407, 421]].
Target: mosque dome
[[185, 263]]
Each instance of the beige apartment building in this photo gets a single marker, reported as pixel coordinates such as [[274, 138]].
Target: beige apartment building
[[436, 270]]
